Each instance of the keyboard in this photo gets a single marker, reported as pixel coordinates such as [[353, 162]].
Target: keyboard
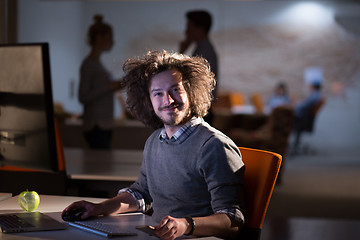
[[103, 229], [13, 221]]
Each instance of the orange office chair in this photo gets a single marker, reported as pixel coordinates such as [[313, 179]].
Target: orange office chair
[[17, 179], [261, 170], [236, 99], [258, 103]]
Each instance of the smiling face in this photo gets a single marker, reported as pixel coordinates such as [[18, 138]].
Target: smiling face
[[170, 100]]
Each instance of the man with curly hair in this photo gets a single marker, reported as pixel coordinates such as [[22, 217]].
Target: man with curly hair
[[191, 177]]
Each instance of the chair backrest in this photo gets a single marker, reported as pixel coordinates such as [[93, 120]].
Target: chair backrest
[[16, 179], [261, 170], [282, 119], [318, 106], [258, 102], [306, 123], [236, 99]]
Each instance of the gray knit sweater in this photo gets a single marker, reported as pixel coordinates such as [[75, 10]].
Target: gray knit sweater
[[196, 177]]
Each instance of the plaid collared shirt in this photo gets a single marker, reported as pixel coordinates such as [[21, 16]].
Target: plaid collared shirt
[[182, 134]]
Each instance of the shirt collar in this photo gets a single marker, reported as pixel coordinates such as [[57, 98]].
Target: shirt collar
[[183, 133]]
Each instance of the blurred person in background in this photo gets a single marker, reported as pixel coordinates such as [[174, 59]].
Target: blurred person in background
[[305, 112], [280, 97], [198, 26], [96, 90]]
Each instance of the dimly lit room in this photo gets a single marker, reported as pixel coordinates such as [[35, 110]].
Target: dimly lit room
[[100, 99]]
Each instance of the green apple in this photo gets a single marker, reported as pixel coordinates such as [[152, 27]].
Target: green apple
[[29, 200]]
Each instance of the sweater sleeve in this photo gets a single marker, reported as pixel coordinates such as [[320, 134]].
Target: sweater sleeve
[[221, 165], [141, 185]]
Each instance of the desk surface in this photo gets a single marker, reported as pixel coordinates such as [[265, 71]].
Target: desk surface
[[274, 228], [114, 165], [53, 205]]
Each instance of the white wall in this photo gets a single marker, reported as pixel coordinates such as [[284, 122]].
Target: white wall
[[60, 24]]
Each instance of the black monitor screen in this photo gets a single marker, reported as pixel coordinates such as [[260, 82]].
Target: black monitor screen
[[27, 136]]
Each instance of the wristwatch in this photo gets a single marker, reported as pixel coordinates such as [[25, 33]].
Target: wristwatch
[[191, 222]]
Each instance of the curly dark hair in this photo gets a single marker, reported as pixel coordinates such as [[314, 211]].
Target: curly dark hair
[[198, 81]]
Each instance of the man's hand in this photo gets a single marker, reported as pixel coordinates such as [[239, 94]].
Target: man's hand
[[122, 203], [184, 45], [92, 209], [170, 228]]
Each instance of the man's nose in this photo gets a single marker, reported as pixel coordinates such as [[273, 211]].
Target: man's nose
[[169, 99]]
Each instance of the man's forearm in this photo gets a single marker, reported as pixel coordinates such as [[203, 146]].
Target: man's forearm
[[122, 203], [219, 225]]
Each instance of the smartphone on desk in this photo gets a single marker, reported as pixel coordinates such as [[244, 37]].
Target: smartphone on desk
[[147, 229]]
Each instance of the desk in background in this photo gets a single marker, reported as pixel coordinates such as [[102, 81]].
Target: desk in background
[[101, 172], [127, 134], [4, 196], [299, 228], [53, 205], [115, 165]]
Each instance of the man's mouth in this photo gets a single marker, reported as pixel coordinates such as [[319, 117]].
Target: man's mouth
[[170, 107]]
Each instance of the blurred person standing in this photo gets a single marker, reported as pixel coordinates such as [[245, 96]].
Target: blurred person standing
[[198, 26], [96, 90]]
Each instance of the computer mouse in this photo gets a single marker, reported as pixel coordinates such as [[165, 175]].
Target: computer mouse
[[73, 214]]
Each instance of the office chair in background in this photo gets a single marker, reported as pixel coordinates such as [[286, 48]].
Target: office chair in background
[[257, 102], [261, 170], [303, 125]]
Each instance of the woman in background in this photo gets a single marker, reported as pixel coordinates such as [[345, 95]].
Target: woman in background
[[97, 87]]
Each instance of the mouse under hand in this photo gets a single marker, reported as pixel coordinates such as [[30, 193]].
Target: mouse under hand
[[73, 214]]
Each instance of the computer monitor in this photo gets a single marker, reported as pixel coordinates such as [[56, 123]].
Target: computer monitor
[[27, 137]]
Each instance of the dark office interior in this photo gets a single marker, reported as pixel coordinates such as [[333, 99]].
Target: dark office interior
[[259, 44]]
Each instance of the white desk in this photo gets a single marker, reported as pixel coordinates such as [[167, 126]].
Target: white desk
[[110, 165], [53, 205]]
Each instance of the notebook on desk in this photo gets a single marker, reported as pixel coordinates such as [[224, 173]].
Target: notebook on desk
[[28, 222]]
